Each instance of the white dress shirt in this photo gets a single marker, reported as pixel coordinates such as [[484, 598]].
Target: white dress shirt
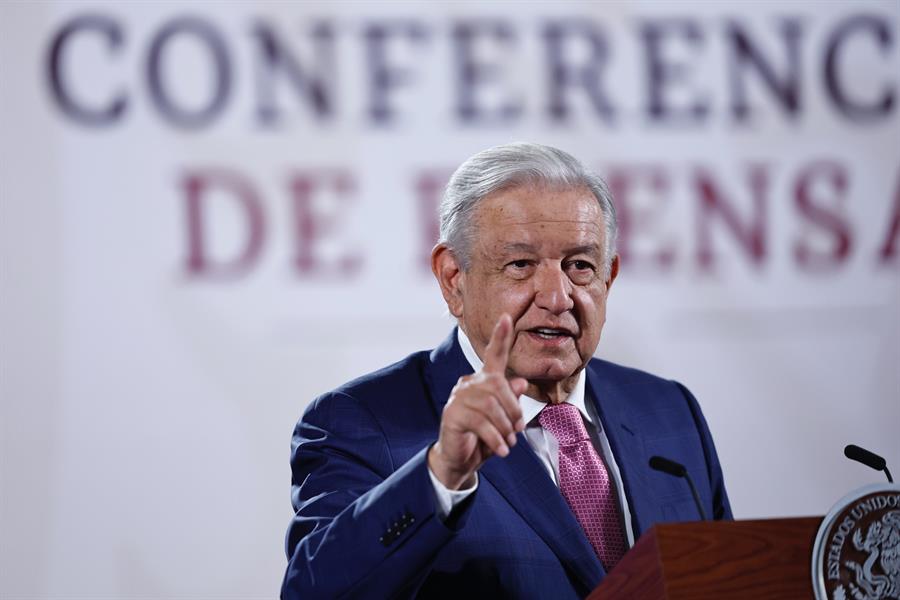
[[543, 443]]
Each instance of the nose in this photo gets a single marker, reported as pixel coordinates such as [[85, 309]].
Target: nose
[[553, 290]]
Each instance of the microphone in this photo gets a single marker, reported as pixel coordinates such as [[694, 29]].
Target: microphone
[[664, 465], [870, 459]]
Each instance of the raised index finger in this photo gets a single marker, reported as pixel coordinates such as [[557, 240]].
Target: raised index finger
[[496, 354]]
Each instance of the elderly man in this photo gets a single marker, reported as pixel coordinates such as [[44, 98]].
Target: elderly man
[[507, 462]]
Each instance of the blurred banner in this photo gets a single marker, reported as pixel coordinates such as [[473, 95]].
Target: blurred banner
[[211, 213]]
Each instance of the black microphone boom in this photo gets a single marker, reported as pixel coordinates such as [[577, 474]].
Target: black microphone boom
[[670, 467], [870, 459]]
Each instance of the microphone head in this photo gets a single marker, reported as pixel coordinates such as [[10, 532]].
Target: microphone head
[[658, 463], [870, 459]]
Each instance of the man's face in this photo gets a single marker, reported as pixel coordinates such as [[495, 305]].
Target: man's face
[[537, 255]]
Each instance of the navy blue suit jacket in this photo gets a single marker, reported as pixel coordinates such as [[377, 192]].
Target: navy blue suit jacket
[[365, 523]]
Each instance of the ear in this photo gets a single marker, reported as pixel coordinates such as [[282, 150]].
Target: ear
[[449, 275], [613, 272]]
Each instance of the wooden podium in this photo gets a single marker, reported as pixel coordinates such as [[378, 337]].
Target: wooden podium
[[735, 559]]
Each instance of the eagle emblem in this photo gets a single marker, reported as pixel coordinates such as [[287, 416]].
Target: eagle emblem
[[882, 547], [856, 555]]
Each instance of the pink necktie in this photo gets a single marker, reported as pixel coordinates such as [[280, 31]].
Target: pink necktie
[[584, 482]]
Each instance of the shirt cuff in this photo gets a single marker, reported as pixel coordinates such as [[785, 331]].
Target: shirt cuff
[[448, 499]]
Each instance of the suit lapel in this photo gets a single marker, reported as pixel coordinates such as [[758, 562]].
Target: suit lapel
[[524, 482], [446, 364], [624, 440], [522, 479]]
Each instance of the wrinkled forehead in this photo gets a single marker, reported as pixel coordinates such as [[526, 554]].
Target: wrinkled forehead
[[537, 209]]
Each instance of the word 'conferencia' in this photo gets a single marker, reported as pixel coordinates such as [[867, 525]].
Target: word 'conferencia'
[[384, 64]]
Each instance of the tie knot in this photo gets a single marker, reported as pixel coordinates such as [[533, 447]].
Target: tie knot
[[564, 422]]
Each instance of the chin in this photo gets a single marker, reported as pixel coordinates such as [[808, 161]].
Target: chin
[[548, 370]]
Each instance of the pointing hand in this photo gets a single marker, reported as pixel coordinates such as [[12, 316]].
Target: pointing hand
[[481, 417]]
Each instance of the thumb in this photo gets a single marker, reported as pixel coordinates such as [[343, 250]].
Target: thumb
[[518, 385]]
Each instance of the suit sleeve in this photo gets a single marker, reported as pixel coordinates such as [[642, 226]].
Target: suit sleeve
[[363, 526], [721, 507]]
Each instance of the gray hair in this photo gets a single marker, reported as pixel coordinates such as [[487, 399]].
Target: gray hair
[[510, 165]]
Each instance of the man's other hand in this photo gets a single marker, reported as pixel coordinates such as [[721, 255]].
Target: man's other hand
[[481, 417]]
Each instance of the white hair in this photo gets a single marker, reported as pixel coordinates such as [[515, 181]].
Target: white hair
[[511, 165]]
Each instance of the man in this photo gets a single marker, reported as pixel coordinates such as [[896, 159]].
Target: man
[[507, 462]]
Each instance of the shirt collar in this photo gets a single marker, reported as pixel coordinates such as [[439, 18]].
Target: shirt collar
[[530, 407]]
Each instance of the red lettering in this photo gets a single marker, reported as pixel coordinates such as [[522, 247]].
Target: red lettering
[[750, 235], [639, 213], [888, 251], [316, 229], [815, 210], [197, 186]]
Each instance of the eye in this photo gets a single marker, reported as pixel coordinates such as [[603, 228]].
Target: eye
[[582, 265], [581, 272], [520, 268]]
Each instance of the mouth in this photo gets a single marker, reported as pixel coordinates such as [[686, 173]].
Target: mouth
[[550, 334]]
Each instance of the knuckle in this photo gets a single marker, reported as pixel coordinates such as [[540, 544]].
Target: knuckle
[[493, 378], [496, 381]]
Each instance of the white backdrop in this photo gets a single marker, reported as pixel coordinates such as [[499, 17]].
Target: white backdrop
[[154, 359]]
